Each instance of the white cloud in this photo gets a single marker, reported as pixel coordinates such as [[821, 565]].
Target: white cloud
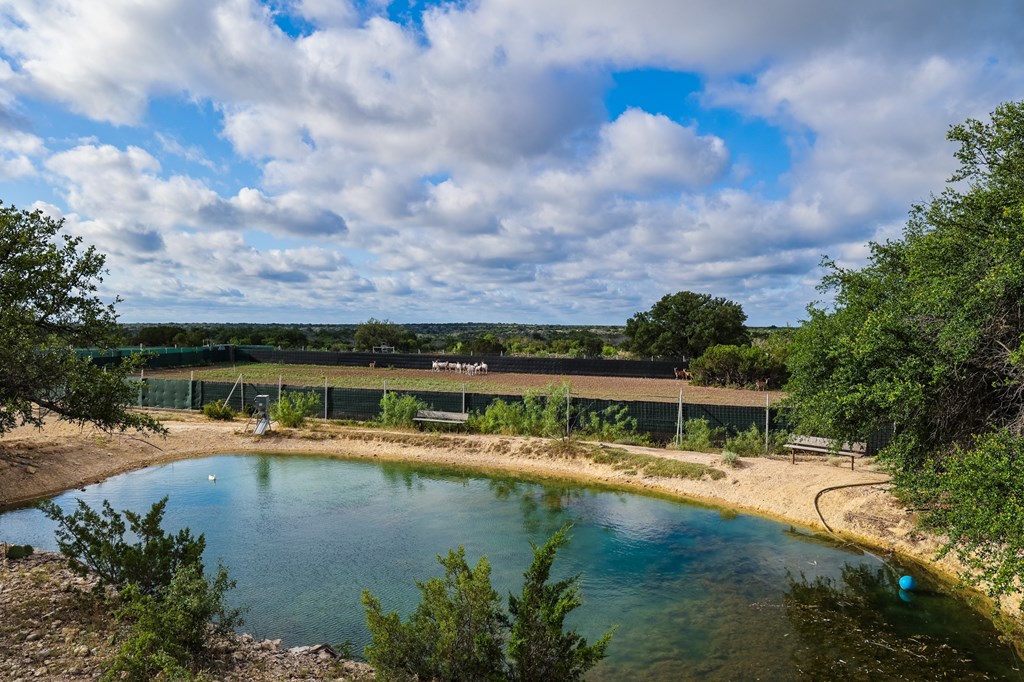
[[471, 161]]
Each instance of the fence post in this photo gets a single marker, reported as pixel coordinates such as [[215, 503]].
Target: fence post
[[191, 381], [278, 388], [679, 420], [325, 398], [568, 404], [463, 398], [766, 424]]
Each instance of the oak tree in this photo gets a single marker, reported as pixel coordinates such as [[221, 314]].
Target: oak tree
[[49, 307], [685, 324]]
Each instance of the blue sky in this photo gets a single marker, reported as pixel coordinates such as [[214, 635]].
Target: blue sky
[[500, 160]]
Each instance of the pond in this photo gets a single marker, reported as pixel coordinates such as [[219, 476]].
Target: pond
[[695, 592]]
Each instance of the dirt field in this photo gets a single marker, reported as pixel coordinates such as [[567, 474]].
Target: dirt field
[[608, 388]]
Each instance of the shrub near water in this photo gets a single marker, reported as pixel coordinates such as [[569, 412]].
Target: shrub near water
[[698, 436], [749, 443], [294, 407], [613, 424], [460, 633], [171, 610], [399, 410]]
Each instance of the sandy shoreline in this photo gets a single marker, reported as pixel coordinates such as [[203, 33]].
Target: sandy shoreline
[[40, 462]]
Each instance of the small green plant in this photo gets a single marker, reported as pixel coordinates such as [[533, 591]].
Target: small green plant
[[730, 459], [218, 410], [19, 551], [399, 410], [294, 408], [749, 443], [614, 425], [698, 436]]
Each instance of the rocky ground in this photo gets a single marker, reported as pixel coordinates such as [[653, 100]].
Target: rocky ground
[[50, 629]]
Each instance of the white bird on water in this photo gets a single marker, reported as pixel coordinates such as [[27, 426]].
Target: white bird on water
[[213, 477]]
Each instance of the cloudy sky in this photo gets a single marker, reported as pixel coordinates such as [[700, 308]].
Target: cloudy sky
[[548, 161]]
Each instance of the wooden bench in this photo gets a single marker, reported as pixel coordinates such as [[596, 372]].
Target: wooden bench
[[441, 417], [824, 446]]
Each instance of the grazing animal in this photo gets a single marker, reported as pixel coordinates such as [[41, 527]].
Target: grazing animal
[[682, 373], [761, 384], [373, 365]]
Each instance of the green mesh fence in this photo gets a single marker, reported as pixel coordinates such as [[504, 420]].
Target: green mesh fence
[[658, 419]]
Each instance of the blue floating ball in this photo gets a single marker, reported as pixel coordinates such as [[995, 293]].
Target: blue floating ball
[[907, 582]]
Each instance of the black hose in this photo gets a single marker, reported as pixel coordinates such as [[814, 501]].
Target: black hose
[[838, 487]]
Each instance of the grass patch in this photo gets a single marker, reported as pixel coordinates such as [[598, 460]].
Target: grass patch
[[648, 465], [342, 377]]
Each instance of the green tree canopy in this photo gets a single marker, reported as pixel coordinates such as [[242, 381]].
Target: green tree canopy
[[48, 307], [926, 339], [376, 332], [685, 324]]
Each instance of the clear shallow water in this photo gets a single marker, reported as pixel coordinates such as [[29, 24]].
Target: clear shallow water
[[696, 593]]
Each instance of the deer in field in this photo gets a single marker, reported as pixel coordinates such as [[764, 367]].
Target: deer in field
[[761, 384], [373, 365], [682, 373]]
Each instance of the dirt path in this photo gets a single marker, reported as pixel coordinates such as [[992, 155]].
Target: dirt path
[[38, 462]]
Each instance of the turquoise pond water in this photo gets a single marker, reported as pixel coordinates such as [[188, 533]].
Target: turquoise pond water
[[696, 593]]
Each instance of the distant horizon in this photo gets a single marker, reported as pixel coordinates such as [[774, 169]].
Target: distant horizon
[[355, 324]]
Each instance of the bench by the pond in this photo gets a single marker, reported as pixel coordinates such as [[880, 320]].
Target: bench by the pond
[[441, 417], [824, 446]]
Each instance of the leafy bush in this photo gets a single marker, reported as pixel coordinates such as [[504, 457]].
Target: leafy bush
[[613, 424], [730, 459], [96, 542], [171, 630], [218, 410], [294, 407], [749, 443], [399, 410], [454, 634], [19, 551], [968, 497], [508, 418], [698, 436], [539, 648], [164, 596], [540, 414], [459, 631]]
